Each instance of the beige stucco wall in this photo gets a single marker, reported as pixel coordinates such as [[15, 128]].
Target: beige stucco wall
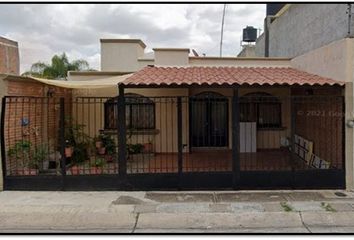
[[171, 57], [165, 140], [336, 60], [144, 62], [125, 56], [239, 62], [120, 56], [333, 60]]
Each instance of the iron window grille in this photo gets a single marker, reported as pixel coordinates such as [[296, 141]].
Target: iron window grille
[[139, 111], [262, 108]]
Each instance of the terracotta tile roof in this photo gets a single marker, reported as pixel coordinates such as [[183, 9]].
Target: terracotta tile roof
[[225, 76]]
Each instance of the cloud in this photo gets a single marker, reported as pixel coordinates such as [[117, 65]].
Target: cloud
[[43, 30]]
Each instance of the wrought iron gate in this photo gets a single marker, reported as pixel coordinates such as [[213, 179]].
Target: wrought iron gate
[[81, 143]]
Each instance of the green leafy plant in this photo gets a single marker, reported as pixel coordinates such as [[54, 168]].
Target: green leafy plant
[[107, 142], [21, 150], [286, 207], [39, 154], [99, 162], [58, 68], [76, 137], [80, 153], [135, 148], [327, 207], [25, 156]]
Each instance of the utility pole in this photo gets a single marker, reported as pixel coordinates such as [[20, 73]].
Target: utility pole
[[222, 29]]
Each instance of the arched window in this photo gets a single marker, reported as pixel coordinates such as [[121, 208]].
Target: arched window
[[262, 108], [139, 112]]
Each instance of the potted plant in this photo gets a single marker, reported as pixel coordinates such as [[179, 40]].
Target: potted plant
[[96, 166], [78, 140], [75, 170], [148, 147], [105, 144], [32, 168], [40, 156], [69, 149], [98, 141], [101, 150], [20, 156], [111, 147], [135, 148]]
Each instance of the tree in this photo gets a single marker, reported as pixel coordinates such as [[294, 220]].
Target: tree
[[58, 68]]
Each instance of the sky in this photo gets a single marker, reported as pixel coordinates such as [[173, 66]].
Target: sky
[[44, 30]]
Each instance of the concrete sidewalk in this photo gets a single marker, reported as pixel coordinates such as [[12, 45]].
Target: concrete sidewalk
[[178, 212]]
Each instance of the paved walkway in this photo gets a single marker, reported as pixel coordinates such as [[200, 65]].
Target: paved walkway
[[193, 212]]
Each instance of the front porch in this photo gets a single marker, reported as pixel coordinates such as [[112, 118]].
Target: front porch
[[215, 161], [204, 161]]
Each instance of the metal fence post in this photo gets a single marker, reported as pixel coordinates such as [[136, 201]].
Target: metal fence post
[[62, 136], [2, 138], [179, 136], [235, 139], [121, 126], [292, 134]]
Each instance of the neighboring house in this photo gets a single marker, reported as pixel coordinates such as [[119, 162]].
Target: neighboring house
[[188, 122], [9, 57], [291, 30]]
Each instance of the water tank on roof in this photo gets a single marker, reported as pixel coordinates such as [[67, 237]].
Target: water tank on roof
[[249, 34]]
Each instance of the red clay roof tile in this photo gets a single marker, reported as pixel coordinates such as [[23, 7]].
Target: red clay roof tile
[[225, 76]]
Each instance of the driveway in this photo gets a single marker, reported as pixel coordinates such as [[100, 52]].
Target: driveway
[[178, 212]]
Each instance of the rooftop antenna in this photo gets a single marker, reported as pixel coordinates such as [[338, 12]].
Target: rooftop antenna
[[222, 29]]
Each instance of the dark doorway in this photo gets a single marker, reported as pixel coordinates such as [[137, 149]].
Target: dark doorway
[[209, 120]]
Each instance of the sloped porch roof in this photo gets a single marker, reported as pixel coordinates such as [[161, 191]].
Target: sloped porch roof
[[198, 75]]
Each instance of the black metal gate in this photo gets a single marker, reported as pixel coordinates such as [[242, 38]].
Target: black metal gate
[[208, 120], [299, 141], [80, 143]]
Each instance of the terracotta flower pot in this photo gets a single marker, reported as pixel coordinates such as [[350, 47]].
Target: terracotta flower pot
[[99, 144], [148, 147], [75, 170], [101, 151], [28, 172], [69, 151], [109, 158], [96, 170]]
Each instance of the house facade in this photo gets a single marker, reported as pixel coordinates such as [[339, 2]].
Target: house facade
[[190, 122]]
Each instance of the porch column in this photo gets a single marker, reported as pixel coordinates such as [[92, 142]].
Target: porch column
[[236, 138], [122, 144], [292, 138]]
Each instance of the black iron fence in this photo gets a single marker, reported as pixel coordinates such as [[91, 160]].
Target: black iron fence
[[252, 140], [297, 133], [30, 136]]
